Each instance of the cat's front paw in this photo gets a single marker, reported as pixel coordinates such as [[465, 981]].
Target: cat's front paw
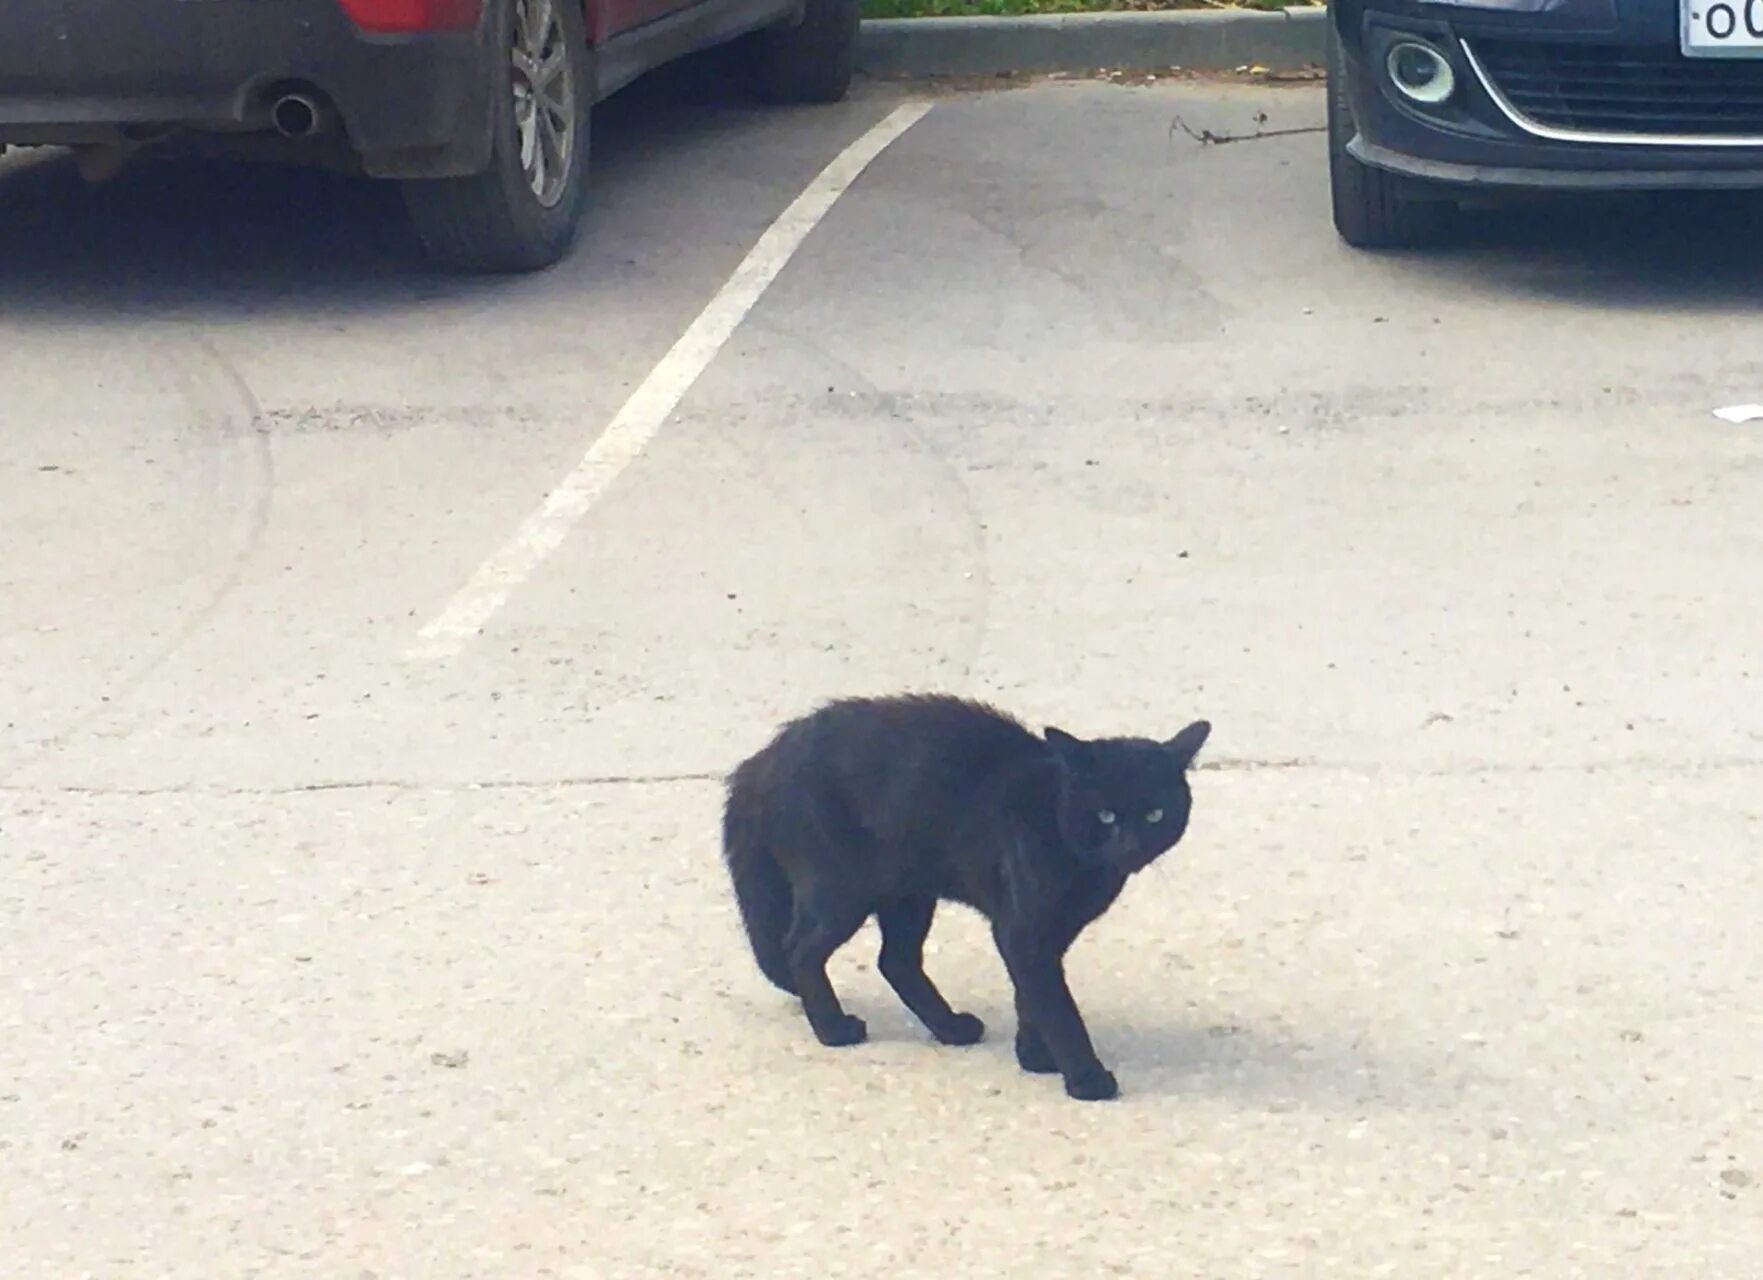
[[1032, 1054], [845, 1030], [963, 1028], [1098, 1085]]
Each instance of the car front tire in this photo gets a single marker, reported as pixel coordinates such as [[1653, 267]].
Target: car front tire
[[521, 213], [1370, 210]]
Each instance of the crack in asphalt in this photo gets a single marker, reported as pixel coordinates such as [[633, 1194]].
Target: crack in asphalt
[[1589, 768], [1669, 768], [370, 784]]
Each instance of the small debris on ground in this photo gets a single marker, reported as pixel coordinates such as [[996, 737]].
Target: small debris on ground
[[1112, 75], [1740, 413]]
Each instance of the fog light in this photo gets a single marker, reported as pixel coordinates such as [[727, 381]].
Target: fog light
[[1421, 73]]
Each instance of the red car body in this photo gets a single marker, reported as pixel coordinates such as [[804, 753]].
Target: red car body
[[480, 107]]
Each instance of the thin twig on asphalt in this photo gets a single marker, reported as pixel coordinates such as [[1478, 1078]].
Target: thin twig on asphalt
[[1206, 138]]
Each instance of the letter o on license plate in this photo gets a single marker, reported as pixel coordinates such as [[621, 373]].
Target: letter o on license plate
[[1721, 28]]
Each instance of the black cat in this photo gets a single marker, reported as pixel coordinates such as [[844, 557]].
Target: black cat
[[885, 806]]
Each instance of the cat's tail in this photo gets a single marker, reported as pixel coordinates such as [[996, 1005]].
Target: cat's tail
[[761, 888]]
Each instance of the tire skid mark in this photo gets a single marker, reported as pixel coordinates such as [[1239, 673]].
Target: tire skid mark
[[225, 412], [977, 616]]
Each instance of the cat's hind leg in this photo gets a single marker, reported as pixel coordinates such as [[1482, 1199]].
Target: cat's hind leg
[[1032, 1054], [823, 922], [904, 927]]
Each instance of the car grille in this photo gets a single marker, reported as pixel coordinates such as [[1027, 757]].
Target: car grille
[[1626, 90]]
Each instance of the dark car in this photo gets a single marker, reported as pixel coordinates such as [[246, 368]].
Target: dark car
[[480, 108], [1430, 101]]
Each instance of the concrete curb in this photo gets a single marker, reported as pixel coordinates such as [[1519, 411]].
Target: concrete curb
[[1203, 40]]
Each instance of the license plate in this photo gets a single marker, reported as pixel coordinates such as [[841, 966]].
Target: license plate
[[1722, 28]]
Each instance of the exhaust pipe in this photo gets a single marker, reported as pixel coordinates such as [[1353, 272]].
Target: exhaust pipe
[[297, 115]]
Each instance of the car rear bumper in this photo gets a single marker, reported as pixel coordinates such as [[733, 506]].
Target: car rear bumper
[[71, 70], [1486, 137]]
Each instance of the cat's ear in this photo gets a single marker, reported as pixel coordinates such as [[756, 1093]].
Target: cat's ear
[[1074, 751], [1186, 744]]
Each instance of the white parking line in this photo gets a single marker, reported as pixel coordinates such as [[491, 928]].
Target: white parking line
[[654, 400]]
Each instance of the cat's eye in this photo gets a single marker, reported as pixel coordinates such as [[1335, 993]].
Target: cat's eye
[[1154, 817], [1106, 817]]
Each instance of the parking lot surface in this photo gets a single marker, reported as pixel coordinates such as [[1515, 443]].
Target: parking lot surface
[[323, 957]]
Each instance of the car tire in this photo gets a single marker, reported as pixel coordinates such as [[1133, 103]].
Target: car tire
[[1370, 210], [811, 60], [521, 213]]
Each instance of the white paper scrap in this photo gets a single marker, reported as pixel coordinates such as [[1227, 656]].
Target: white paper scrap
[[1740, 413]]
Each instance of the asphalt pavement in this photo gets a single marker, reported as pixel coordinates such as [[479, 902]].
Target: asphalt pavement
[[319, 957]]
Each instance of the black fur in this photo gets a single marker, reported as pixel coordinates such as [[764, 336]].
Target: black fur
[[887, 806]]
